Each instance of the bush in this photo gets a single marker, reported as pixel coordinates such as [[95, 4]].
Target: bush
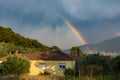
[[69, 72], [45, 73], [14, 65]]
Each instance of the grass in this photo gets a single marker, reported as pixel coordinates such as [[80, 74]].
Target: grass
[[49, 77], [108, 77], [42, 77]]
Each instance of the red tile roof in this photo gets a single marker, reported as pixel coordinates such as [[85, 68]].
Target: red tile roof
[[51, 55]]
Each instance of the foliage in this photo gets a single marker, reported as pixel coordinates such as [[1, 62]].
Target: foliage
[[10, 48], [3, 49], [55, 48], [25, 44], [116, 66], [75, 51], [98, 67], [14, 65], [107, 77], [98, 63], [92, 59], [96, 70], [69, 72]]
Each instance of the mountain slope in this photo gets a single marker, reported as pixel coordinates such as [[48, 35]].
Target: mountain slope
[[8, 36], [107, 46]]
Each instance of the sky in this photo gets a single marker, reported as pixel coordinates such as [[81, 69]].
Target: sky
[[96, 20]]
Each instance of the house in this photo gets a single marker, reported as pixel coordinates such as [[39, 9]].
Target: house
[[53, 62]]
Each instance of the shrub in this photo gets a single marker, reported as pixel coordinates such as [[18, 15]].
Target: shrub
[[45, 73], [69, 72], [14, 65]]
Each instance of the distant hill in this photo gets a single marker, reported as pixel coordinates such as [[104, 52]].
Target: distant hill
[[107, 46], [8, 36]]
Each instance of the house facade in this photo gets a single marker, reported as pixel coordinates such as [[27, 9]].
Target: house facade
[[53, 62]]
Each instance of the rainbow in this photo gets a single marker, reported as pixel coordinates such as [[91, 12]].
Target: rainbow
[[75, 31]]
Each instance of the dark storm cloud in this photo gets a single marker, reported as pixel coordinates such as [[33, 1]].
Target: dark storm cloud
[[97, 20]]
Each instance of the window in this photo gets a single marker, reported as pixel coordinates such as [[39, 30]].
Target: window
[[42, 65], [62, 66]]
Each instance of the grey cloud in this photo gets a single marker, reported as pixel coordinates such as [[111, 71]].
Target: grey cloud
[[40, 19], [88, 9], [61, 36]]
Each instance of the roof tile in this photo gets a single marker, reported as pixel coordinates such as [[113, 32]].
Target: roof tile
[[50, 55]]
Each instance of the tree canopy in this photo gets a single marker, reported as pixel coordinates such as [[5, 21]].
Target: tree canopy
[[116, 65], [55, 48], [96, 62], [76, 51]]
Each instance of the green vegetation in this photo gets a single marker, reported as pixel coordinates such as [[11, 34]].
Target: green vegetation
[[10, 48], [7, 35], [75, 51], [10, 42], [95, 60], [88, 67], [116, 67], [69, 72], [87, 78], [55, 48], [29, 77], [15, 66], [95, 67]]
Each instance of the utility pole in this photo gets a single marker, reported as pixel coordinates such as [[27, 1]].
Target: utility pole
[[79, 74]]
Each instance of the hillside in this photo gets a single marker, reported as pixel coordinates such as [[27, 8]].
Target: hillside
[[8, 36], [107, 46]]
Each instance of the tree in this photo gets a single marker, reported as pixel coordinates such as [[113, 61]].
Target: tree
[[14, 65], [116, 66], [94, 70], [96, 63], [75, 51], [55, 48]]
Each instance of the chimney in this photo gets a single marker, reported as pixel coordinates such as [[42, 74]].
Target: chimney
[[16, 53]]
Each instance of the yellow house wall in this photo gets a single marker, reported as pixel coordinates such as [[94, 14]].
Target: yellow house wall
[[51, 66]]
